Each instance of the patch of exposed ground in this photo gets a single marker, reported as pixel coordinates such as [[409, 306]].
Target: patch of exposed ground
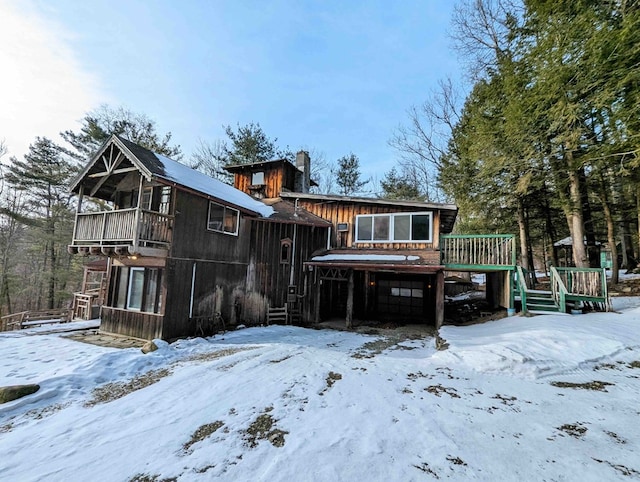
[[424, 467], [202, 433], [596, 385], [619, 468], [332, 378], [150, 478], [576, 430], [438, 390], [264, 428], [214, 355], [112, 391]]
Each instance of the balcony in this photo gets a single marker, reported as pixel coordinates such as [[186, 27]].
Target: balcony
[[483, 252], [122, 232]]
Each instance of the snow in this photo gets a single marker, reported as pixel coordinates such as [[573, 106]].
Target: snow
[[365, 257], [344, 405], [184, 175]]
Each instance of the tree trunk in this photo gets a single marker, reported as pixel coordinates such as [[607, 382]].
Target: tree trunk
[[522, 229], [611, 239], [576, 225]]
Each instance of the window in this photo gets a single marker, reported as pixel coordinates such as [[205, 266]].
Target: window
[[136, 285], [147, 198], [285, 251], [165, 200], [223, 219], [397, 227], [138, 289], [257, 178]]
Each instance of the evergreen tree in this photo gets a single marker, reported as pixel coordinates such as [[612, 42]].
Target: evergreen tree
[[348, 176], [400, 187], [249, 144], [43, 177], [100, 124]]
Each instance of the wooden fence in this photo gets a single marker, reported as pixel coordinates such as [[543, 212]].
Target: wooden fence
[[482, 251]]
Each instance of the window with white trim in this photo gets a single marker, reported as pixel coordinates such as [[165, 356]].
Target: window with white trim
[[257, 178], [395, 228], [223, 219]]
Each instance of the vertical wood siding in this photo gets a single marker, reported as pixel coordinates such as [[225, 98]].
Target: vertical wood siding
[[346, 212]]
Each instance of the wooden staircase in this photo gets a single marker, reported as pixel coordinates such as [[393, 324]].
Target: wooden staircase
[[540, 302], [570, 287]]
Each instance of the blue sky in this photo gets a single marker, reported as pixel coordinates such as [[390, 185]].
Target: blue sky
[[335, 77]]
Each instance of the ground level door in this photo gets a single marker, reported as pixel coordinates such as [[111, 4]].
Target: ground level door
[[406, 297]]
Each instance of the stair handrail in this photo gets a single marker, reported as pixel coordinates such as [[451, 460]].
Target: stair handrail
[[558, 289], [522, 287]]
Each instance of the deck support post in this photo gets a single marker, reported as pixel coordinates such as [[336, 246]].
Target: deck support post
[[439, 299], [350, 284]]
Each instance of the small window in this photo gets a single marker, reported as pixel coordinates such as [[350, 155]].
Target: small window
[[165, 200], [147, 198], [285, 251], [136, 285], [257, 178], [223, 219]]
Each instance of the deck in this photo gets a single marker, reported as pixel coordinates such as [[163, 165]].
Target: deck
[[123, 231]]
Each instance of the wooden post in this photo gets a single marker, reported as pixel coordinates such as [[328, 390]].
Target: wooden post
[[439, 299], [349, 320]]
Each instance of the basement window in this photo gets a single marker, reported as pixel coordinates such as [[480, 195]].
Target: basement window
[[223, 219]]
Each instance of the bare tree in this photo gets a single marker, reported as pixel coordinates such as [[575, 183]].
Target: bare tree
[[209, 158], [425, 139]]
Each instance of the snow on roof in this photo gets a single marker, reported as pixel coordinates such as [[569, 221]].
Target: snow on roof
[[365, 257], [188, 177]]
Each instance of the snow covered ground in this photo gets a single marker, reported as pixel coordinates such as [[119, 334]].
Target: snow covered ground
[[542, 398]]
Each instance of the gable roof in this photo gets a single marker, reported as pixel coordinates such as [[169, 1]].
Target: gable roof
[[159, 167]]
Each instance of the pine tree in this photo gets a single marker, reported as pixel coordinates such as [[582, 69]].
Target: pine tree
[[43, 177], [249, 144], [400, 187], [100, 124], [348, 176]]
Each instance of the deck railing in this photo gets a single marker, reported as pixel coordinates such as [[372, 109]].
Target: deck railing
[[122, 226], [559, 289], [589, 284], [487, 251]]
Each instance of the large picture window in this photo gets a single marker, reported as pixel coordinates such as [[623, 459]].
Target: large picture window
[[223, 219], [137, 289], [394, 228]]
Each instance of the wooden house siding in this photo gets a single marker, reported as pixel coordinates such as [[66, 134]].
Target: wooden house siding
[[267, 276], [131, 323], [192, 240], [346, 212], [276, 179]]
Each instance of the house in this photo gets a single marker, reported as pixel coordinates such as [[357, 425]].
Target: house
[[184, 250], [182, 246]]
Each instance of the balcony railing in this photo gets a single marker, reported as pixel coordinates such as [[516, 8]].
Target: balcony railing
[[480, 251], [135, 227]]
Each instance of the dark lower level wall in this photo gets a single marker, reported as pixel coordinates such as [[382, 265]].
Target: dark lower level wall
[[131, 323]]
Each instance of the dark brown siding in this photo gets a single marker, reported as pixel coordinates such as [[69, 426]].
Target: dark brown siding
[[270, 278], [131, 323], [346, 212]]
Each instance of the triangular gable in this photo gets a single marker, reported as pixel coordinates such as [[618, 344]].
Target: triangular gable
[[118, 157]]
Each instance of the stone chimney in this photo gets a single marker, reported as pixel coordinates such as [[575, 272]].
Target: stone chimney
[[303, 180]]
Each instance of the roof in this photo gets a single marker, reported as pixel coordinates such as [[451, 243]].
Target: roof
[[568, 241], [286, 212], [157, 166], [448, 212]]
